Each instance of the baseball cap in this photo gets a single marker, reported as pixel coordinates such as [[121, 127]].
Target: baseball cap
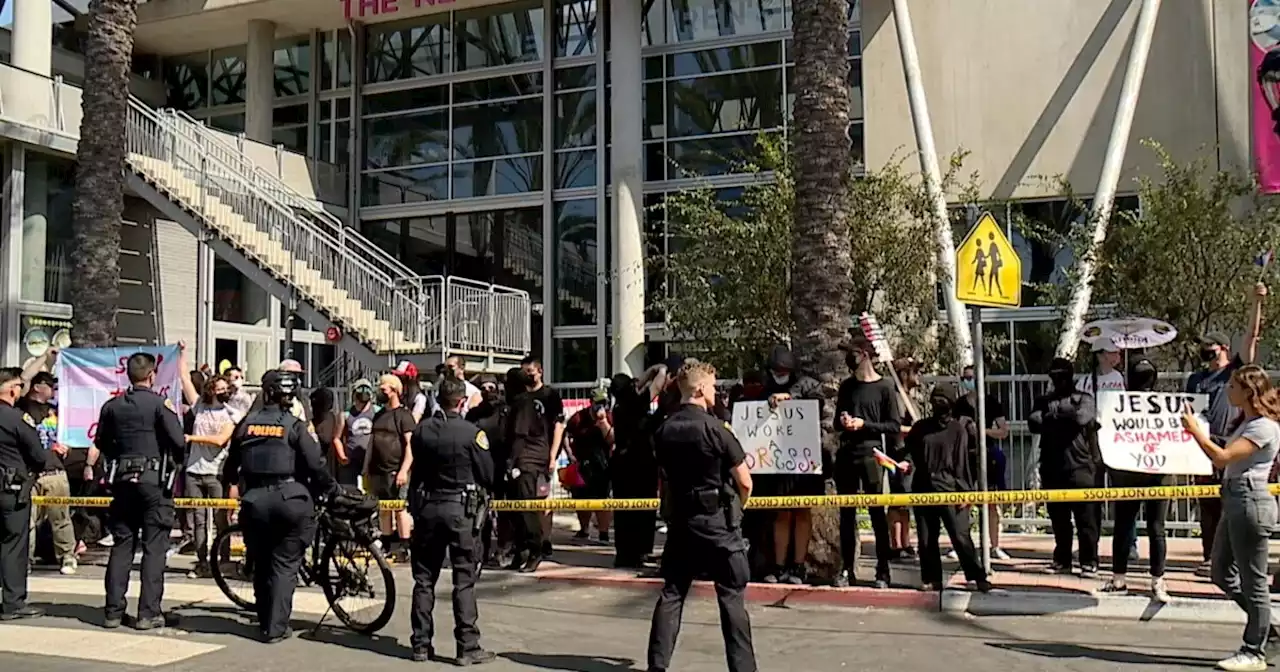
[[406, 369], [363, 382], [1216, 338], [1105, 345], [44, 378], [290, 365]]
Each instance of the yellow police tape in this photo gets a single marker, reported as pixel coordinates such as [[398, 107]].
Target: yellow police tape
[[823, 501]]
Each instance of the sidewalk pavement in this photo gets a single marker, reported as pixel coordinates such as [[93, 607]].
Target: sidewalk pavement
[[1024, 587]]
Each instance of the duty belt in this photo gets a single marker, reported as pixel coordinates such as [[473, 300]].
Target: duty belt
[[267, 481]]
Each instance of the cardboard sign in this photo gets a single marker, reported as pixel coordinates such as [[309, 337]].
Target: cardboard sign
[[1142, 432], [785, 440]]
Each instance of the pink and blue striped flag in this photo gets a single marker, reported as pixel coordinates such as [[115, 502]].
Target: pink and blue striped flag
[[88, 377]]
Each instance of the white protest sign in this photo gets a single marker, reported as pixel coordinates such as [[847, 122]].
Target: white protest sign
[[785, 440], [1142, 432]]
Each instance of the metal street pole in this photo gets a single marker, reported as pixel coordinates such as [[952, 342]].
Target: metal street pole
[[980, 384]]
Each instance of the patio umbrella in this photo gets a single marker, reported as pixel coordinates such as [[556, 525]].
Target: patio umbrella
[[1129, 333]]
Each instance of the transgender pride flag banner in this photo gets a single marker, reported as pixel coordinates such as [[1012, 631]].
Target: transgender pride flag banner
[[88, 377]]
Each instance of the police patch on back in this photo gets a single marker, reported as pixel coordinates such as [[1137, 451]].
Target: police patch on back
[[272, 431], [26, 417], [168, 403], [482, 440], [729, 428]]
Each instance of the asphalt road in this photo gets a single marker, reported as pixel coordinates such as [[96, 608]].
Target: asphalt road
[[548, 626]]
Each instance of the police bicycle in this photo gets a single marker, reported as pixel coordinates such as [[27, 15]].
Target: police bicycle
[[345, 560]]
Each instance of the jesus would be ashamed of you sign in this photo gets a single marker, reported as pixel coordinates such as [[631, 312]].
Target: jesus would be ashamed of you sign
[[1142, 431], [782, 440]]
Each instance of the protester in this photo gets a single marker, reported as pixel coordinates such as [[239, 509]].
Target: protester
[[552, 410], [1241, 545], [1104, 376], [212, 423], [414, 398], [528, 468], [328, 427], [1142, 378], [997, 462], [942, 448], [357, 430], [634, 467], [590, 436], [1220, 364], [867, 419], [908, 371], [393, 426], [456, 367], [52, 480], [241, 399], [491, 417], [1064, 418]]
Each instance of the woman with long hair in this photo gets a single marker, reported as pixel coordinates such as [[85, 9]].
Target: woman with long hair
[[1249, 511]]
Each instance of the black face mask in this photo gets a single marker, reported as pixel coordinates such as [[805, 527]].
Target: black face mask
[[382, 398], [1208, 354], [941, 407], [1062, 380], [224, 397]]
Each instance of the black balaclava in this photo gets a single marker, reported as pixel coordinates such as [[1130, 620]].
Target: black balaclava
[[1062, 374], [942, 400], [1142, 376]]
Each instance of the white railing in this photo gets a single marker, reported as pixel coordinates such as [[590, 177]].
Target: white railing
[[478, 317]]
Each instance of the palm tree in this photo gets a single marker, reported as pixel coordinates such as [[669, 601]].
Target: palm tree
[[99, 202], [821, 261]]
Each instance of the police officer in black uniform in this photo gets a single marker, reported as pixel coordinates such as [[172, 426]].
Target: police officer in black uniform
[[707, 480], [21, 458], [140, 436], [279, 461], [450, 471]]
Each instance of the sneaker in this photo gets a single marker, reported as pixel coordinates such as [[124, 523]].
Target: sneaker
[[881, 584], [1055, 568], [794, 576], [952, 555], [69, 566], [999, 554], [1134, 555], [107, 541], [22, 613], [1271, 648], [982, 586], [1205, 570], [477, 657], [201, 571], [1160, 591], [771, 577], [909, 553], [1089, 572], [931, 587], [1115, 584], [581, 535], [1243, 661], [604, 537], [843, 579], [423, 654], [546, 549]]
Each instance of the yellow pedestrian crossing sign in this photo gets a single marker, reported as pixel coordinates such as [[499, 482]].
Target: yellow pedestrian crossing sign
[[988, 270]]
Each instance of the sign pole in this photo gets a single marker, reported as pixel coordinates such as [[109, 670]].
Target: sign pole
[[980, 384]]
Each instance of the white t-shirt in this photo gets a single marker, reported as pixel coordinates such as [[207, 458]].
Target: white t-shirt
[[472, 391], [1112, 380], [202, 458]]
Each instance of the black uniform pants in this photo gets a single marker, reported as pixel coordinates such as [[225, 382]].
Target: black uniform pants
[[279, 523], [862, 474], [439, 526], [528, 525], [634, 530], [683, 558], [139, 514], [14, 548], [930, 521], [1061, 515]]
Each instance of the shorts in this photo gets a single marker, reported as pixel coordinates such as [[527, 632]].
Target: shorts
[[899, 483], [383, 486], [997, 469]]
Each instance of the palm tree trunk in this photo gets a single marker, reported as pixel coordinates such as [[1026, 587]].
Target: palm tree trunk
[[821, 261], [99, 202]]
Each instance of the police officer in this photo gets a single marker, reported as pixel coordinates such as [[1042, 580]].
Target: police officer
[[708, 482], [140, 436], [449, 469], [275, 455], [21, 457]]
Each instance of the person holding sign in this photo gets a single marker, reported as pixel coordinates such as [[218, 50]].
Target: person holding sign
[[942, 449], [1240, 548]]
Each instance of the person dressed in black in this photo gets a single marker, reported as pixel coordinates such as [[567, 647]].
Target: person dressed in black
[[868, 418], [450, 472], [140, 436], [1065, 419], [943, 448], [633, 469], [528, 436], [21, 458], [490, 417], [281, 465], [708, 482]]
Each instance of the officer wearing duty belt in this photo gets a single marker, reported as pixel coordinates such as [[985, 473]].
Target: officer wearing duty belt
[[707, 483], [140, 436], [280, 463], [450, 472], [21, 459]]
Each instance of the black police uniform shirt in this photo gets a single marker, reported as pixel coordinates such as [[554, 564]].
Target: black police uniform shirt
[[697, 451], [450, 453], [273, 443], [140, 422], [20, 447], [38, 412]]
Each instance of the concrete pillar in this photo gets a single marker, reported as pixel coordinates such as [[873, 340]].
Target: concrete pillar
[[11, 250], [260, 85], [35, 228], [33, 36], [628, 182]]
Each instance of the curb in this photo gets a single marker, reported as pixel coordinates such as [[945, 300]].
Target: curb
[[1084, 605], [776, 595]]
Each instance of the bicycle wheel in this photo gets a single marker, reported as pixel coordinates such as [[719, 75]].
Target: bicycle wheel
[[352, 571], [231, 571]]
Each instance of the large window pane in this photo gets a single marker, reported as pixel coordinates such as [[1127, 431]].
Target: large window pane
[[231, 123], [404, 51], [575, 360], [512, 86], [692, 20], [427, 245], [49, 189], [186, 80], [515, 175], [413, 99], [335, 61], [386, 235], [236, 298], [711, 61], [711, 156], [576, 78], [293, 67], [499, 35], [227, 72], [576, 27], [655, 254], [408, 185], [575, 169], [577, 262], [497, 129], [292, 137], [655, 117], [734, 102], [575, 120], [421, 137]]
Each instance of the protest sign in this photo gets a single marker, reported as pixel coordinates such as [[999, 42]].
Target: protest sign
[[785, 440], [1142, 432], [89, 377]]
